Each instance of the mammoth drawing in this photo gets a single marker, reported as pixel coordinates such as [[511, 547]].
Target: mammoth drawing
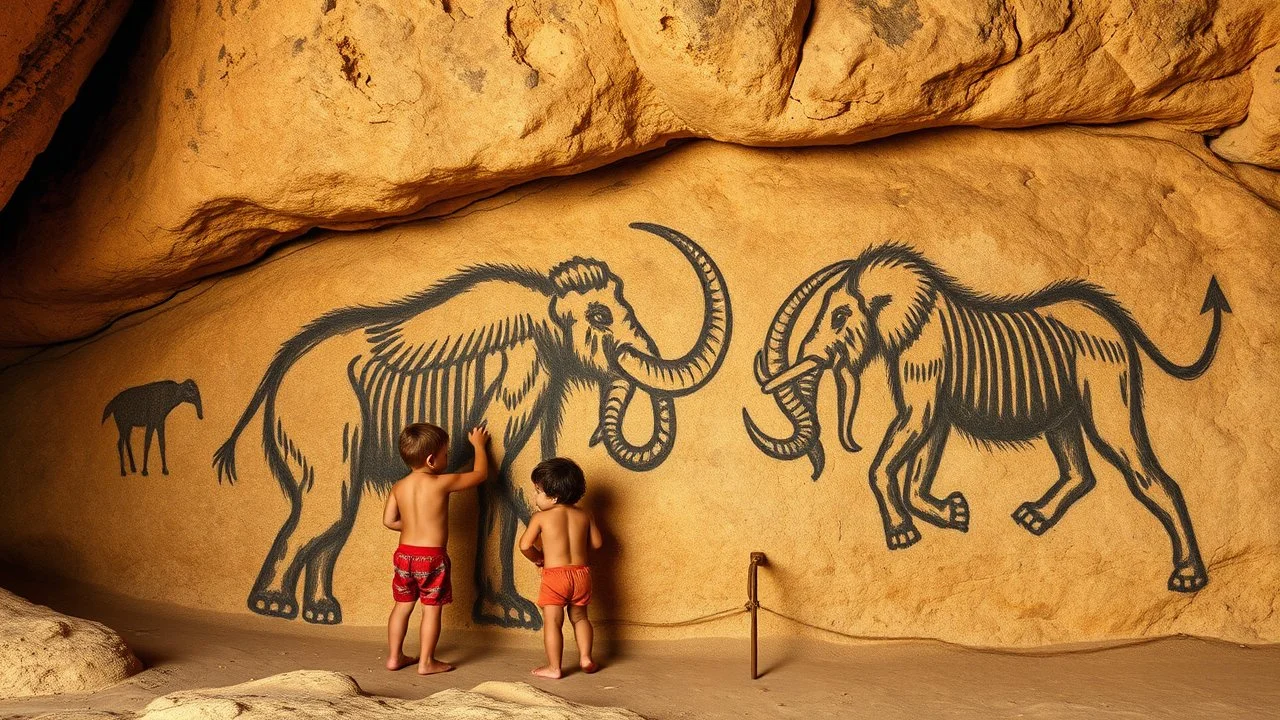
[[1062, 363], [494, 343]]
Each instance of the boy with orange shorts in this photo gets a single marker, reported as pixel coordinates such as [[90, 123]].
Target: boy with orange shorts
[[418, 506], [559, 539]]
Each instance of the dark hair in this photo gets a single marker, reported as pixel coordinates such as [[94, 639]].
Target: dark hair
[[561, 480], [419, 440]]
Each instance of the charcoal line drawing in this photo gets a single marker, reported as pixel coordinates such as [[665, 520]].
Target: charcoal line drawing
[[1063, 363], [147, 406], [495, 343]]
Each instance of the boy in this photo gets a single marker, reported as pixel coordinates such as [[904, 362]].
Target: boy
[[565, 532], [418, 506]]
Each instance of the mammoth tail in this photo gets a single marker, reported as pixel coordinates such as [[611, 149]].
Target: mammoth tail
[[334, 323], [1213, 300]]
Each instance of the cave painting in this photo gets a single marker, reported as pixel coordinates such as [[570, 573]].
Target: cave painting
[[1062, 363], [147, 406], [494, 343]]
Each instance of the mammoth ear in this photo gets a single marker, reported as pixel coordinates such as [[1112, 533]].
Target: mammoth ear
[[899, 300]]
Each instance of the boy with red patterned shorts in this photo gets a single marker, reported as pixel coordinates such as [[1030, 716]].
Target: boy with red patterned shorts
[[418, 506]]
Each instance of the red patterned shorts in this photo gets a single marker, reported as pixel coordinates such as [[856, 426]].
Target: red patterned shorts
[[421, 573]]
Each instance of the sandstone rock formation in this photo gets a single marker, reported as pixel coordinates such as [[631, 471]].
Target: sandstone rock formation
[[1144, 211], [47, 48], [43, 652], [247, 123], [319, 695]]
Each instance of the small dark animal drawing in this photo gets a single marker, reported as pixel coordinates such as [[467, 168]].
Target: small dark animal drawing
[[1062, 363], [495, 343], [147, 406]]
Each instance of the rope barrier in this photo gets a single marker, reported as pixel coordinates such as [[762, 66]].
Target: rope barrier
[[700, 620], [970, 648]]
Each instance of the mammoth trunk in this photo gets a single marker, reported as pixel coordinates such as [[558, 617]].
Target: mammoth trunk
[[848, 388], [613, 410]]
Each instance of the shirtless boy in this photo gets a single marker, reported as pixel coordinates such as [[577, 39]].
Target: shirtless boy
[[418, 506], [559, 539]]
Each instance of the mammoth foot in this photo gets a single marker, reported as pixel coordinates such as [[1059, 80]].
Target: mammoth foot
[[322, 611], [507, 610], [957, 512], [273, 603], [1188, 578], [1031, 519], [898, 537]]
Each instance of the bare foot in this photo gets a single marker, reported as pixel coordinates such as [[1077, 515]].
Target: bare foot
[[547, 671], [400, 661], [433, 667], [589, 666]]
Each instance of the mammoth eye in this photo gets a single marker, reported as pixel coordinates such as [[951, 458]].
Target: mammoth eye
[[599, 315], [839, 317]]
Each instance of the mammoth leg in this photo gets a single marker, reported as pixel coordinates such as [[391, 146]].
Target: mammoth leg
[[502, 508], [951, 512], [522, 396], [1075, 479], [146, 448], [321, 554], [1119, 433], [905, 437]]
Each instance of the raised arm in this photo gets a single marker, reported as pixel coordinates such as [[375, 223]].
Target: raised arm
[[597, 539], [479, 471], [391, 513], [529, 541]]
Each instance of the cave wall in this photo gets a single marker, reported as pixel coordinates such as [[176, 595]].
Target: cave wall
[[1144, 211]]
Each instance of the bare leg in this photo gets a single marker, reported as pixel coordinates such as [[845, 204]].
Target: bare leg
[[430, 633], [582, 633], [552, 621], [397, 627]]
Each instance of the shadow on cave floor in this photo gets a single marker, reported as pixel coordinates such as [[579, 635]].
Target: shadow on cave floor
[[186, 648]]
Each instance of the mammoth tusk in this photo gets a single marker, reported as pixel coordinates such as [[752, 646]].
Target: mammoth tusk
[[804, 367]]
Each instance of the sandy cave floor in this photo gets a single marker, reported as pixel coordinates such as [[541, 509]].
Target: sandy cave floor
[[184, 648]]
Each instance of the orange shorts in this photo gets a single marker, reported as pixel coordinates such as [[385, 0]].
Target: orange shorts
[[567, 585]]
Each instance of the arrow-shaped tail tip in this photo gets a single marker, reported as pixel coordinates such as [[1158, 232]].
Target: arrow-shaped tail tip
[[1214, 299]]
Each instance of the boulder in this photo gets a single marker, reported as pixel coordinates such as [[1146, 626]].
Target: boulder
[[246, 124], [321, 695], [43, 652]]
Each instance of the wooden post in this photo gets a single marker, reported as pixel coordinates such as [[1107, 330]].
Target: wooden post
[[753, 603]]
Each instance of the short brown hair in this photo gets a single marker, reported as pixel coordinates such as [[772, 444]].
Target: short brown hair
[[419, 440], [561, 480]]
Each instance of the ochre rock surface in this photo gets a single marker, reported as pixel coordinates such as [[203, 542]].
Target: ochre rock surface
[[1147, 213], [47, 48], [43, 652], [1257, 139], [246, 123]]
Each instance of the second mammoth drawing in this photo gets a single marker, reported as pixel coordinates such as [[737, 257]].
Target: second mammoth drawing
[[1062, 363]]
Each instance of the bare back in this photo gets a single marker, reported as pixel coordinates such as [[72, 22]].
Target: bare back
[[423, 503], [566, 535]]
